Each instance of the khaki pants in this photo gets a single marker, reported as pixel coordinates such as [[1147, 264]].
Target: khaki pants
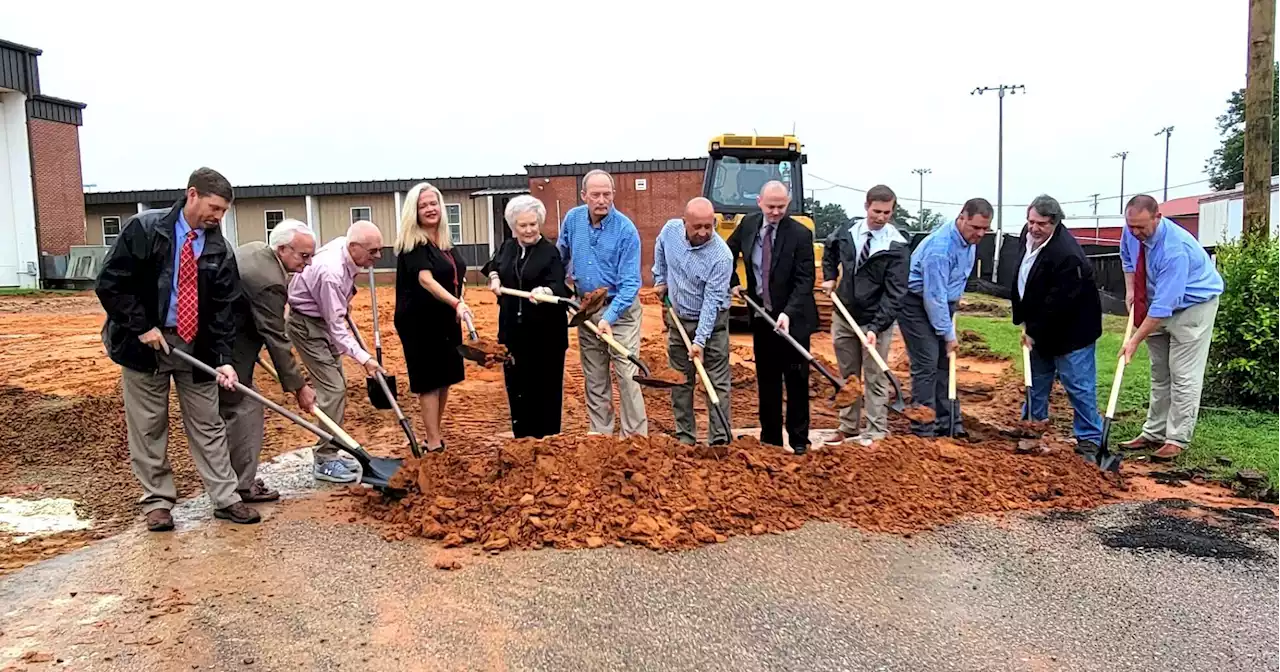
[[310, 338], [715, 359], [146, 417], [596, 357], [854, 360], [1179, 350], [244, 418]]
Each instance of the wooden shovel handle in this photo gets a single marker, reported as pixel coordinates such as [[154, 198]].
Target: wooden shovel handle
[[862, 336], [1026, 366], [536, 298], [609, 340], [951, 365], [1115, 383], [697, 363], [324, 419]]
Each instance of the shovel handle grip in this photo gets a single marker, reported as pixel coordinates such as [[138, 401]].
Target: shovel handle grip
[[1026, 366], [536, 298], [609, 340], [1115, 382], [862, 336], [697, 363], [324, 419]]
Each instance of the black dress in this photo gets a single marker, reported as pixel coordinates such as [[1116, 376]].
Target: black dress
[[428, 328], [536, 335]]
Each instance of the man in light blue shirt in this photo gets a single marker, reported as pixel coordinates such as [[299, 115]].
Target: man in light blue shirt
[[940, 268], [601, 248], [1172, 286], [692, 266]]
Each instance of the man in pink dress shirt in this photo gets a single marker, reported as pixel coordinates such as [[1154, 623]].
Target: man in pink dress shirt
[[319, 298]]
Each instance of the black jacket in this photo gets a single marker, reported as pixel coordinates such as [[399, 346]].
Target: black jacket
[[874, 293], [136, 281], [1061, 309], [523, 324], [791, 275]]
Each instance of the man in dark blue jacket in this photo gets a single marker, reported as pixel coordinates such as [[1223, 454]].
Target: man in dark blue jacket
[[169, 282], [1056, 301]]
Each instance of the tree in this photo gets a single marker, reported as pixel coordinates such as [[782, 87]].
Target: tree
[[927, 221], [901, 218], [1226, 167], [827, 217]]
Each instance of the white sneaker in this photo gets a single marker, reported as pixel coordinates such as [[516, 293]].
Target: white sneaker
[[334, 471], [867, 438]]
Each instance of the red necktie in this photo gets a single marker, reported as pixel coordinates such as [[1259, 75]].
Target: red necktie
[[1140, 286], [188, 301]]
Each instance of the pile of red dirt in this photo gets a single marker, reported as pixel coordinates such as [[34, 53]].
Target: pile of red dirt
[[485, 352], [849, 394], [570, 492]]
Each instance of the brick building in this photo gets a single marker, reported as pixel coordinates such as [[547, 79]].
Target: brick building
[[41, 195]]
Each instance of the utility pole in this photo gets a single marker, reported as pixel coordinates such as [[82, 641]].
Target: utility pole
[[1122, 156], [921, 172], [1258, 108], [1097, 227], [1001, 89], [1167, 131]]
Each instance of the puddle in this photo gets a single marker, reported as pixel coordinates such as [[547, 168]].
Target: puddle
[[26, 518]]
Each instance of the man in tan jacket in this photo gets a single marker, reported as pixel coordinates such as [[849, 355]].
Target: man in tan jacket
[[259, 319]]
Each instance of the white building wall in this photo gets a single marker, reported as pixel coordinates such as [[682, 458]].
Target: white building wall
[[19, 251]]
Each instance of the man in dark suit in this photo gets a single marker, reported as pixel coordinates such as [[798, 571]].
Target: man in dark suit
[[777, 253], [1056, 301]]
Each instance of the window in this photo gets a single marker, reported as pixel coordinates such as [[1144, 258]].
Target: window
[[110, 230], [273, 217], [736, 182], [453, 217], [361, 213]]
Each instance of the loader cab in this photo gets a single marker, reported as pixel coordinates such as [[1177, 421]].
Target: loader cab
[[733, 179]]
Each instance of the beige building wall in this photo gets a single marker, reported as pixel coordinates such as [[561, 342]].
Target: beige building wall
[[251, 217], [474, 221], [334, 213], [93, 215]]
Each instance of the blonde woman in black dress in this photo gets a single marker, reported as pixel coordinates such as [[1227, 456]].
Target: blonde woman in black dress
[[429, 305]]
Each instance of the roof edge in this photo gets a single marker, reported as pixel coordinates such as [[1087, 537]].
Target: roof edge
[[21, 47]]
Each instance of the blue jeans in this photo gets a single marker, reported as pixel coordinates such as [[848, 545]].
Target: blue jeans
[[1078, 373]]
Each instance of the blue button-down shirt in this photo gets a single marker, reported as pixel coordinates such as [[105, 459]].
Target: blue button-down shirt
[[606, 255], [757, 256], [940, 267], [697, 278], [1179, 271], [180, 231]]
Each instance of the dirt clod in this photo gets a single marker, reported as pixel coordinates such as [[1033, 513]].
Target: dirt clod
[[922, 414], [849, 394], [663, 374], [594, 300], [485, 352]]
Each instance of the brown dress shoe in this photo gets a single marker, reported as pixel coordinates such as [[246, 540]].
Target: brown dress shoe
[[838, 438], [159, 520], [1140, 443], [258, 493], [238, 513], [1167, 452]]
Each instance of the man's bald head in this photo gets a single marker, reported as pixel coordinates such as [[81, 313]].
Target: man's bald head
[[773, 201], [699, 221], [364, 242]]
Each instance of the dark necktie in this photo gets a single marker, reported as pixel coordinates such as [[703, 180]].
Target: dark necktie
[[766, 264], [863, 253], [1140, 286]]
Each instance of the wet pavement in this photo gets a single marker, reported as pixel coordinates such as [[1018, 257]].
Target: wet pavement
[[308, 590]]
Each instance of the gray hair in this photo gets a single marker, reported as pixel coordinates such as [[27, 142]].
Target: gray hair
[[592, 173], [1047, 206], [284, 233], [522, 204]]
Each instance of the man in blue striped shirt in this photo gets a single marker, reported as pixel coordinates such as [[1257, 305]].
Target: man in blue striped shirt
[[940, 267], [692, 266], [601, 248]]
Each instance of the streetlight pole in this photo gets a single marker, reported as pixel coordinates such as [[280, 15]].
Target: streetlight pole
[[921, 172], [1167, 131], [1001, 89], [1097, 227], [1122, 156]]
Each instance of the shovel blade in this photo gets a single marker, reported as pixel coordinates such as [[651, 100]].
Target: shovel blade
[[375, 471], [654, 382], [578, 319], [379, 398]]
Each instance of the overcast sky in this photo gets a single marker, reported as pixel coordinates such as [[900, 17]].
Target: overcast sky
[[274, 92]]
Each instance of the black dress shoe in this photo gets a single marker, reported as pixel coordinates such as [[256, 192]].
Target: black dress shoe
[[799, 450], [159, 520]]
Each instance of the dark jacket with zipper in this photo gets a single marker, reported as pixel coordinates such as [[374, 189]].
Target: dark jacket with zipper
[[136, 281], [874, 291], [523, 324], [1061, 308]]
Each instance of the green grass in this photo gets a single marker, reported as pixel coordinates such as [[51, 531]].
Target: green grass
[[24, 291], [1248, 438]]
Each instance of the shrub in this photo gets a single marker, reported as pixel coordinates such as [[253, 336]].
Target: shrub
[[1243, 359]]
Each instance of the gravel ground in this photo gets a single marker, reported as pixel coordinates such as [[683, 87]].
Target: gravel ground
[[303, 591]]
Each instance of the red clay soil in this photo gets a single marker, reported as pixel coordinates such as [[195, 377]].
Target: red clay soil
[[849, 394], [662, 374], [485, 352], [573, 492], [594, 300], [920, 414]]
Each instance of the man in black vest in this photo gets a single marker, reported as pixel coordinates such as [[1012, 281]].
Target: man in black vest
[[1056, 301], [777, 252]]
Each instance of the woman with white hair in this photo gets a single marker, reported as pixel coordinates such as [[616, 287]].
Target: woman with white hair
[[429, 305], [536, 334]]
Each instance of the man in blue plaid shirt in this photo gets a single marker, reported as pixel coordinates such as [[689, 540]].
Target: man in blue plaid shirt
[[692, 266]]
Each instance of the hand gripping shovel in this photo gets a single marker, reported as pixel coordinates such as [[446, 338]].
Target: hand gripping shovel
[[377, 396], [713, 399], [1107, 460], [841, 401], [897, 404], [645, 377], [376, 471], [579, 315], [382, 382]]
